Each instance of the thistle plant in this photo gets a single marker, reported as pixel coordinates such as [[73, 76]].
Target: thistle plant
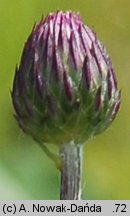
[[65, 92]]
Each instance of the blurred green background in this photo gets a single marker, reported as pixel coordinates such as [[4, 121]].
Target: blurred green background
[[25, 171]]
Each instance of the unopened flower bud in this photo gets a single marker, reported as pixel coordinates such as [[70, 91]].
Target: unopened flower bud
[[65, 87]]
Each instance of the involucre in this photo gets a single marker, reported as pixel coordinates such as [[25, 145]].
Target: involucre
[[64, 88]]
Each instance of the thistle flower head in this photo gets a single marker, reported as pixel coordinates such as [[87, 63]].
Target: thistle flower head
[[65, 87]]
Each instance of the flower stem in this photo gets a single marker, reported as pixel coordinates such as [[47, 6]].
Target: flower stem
[[71, 155]]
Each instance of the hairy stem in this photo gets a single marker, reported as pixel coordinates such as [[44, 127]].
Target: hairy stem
[[71, 156]]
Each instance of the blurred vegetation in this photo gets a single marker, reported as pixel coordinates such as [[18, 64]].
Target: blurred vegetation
[[25, 171]]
